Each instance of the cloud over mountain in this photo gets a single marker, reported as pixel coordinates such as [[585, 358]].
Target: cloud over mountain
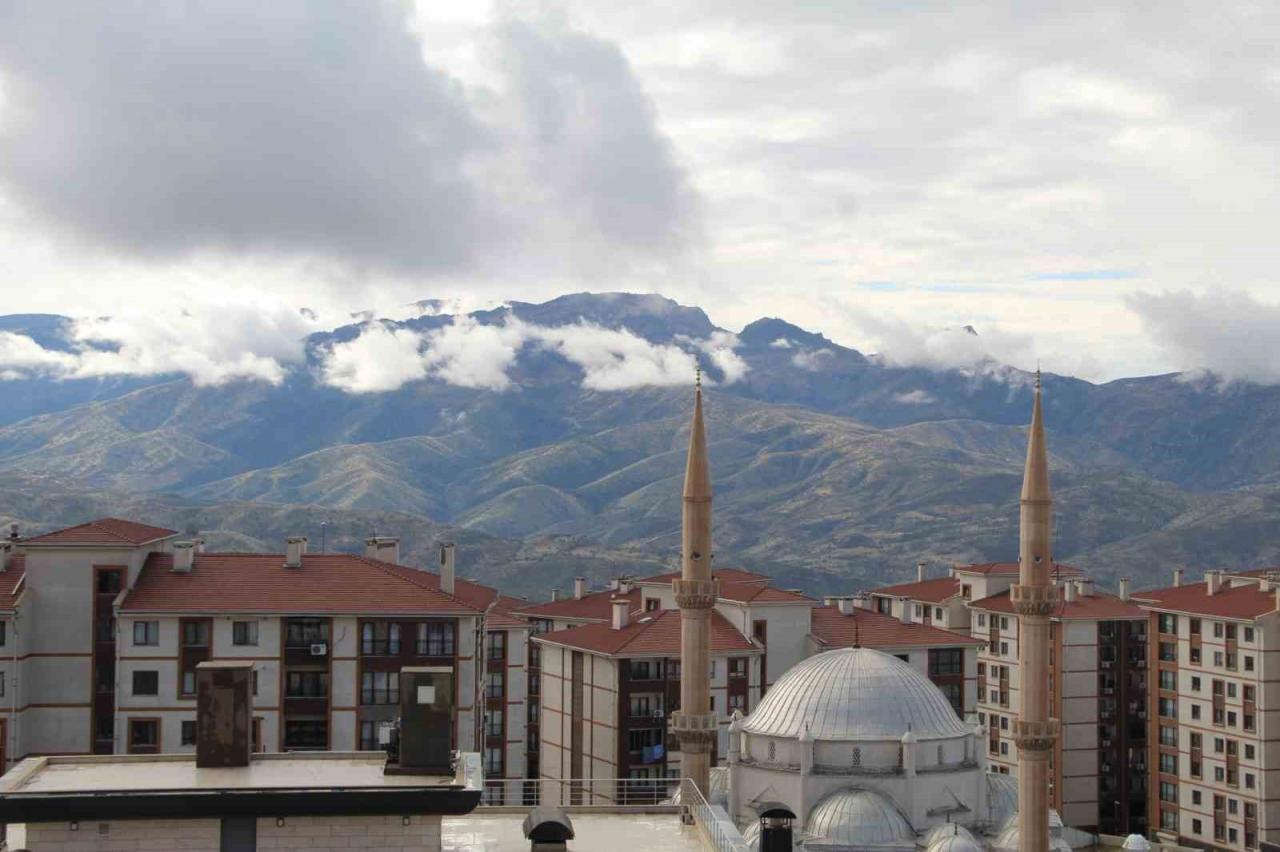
[[1230, 334]]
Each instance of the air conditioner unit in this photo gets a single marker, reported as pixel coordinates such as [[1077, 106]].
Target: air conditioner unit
[[319, 649]]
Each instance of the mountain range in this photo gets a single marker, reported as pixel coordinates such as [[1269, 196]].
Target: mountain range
[[834, 469]]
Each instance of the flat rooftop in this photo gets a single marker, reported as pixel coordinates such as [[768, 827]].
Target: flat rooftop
[[483, 831], [174, 772]]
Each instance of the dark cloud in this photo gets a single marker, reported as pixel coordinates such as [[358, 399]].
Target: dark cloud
[[316, 130]]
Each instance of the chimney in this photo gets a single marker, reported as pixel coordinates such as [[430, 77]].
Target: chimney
[[1177, 576], [1277, 597], [845, 605], [6, 554], [830, 600], [1124, 588], [919, 572], [13, 531], [1069, 591], [625, 585], [384, 548], [1085, 587], [184, 556], [294, 547], [447, 576], [862, 601], [579, 587], [555, 595], [223, 730], [905, 615], [621, 612], [199, 544], [1264, 583], [1211, 582]]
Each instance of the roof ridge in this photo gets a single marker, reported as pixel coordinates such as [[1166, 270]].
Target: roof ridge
[[383, 566]]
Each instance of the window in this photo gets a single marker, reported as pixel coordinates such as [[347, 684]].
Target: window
[[1195, 683], [1248, 752], [189, 682], [1218, 659], [1195, 711], [955, 695], [195, 633], [144, 735], [946, 661], [108, 582], [1231, 718], [1168, 707], [1004, 649], [1169, 681], [1004, 748], [253, 682], [306, 684], [1169, 652], [644, 669], [1217, 630], [642, 705], [937, 613], [640, 739], [493, 762], [1248, 663], [1168, 792], [493, 724], [106, 678], [1195, 627], [436, 639], [146, 683], [1196, 826], [1004, 623], [305, 632], [982, 619], [495, 688], [379, 639], [966, 591], [188, 732], [712, 673], [737, 701], [1195, 797], [1248, 634], [919, 611], [1168, 623], [1248, 781], [1004, 723], [737, 667], [1168, 736], [496, 645], [244, 633], [375, 735], [651, 604], [306, 734], [1169, 764], [1219, 774], [146, 633], [380, 688]]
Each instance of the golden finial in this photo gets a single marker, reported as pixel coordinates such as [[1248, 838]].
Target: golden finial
[[697, 381], [1037, 374]]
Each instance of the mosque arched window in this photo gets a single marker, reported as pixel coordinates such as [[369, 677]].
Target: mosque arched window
[[857, 756], [773, 751], [939, 754]]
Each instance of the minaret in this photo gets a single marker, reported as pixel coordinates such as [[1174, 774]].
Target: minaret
[[695, 592], [1034, 599]]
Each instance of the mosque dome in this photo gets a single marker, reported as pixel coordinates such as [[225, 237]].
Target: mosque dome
[[943, 831], [855, 694], [1002, 798], [857, 818], [956, 842]]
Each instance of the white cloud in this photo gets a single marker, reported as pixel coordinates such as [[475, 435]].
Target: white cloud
[[720, 349], [471, 355], [915, 397], [781, 343], [813, 360], [20, 356], [617, 360], [1229, 334], [379, 359]]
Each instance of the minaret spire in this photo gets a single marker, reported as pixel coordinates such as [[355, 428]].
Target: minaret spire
[[695, 592], [1034, 598]]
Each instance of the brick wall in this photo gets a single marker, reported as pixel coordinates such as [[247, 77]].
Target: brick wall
[[383, 833]]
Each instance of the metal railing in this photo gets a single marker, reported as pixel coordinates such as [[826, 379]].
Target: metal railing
[[579, 792], [716, 826]]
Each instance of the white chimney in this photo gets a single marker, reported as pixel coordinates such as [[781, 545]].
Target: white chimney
[[905, 615], [1212, 582], [579, 587], [199, 543], [294, 547], [1124, 588], [1069, 591], [1264, 584], [1085, 587], [384, 548], [555, 595], [184, 556], [624, 585], [621, 612], [6, 554], [862, 601], [447, 576], [919, 572], [1177, 576], [1277, 597], [845, 605]]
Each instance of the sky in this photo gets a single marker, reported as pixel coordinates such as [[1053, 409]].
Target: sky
[[1091, 186]]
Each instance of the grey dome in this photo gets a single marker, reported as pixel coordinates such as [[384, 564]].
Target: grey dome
[[956, 843], [943, 831], [855, 694], [860, 818], [1002, 798]]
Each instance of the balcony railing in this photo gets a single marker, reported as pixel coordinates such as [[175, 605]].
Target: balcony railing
[[563, 792]]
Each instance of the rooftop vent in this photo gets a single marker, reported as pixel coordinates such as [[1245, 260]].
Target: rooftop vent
[[1124, 588], [294, 548], [1177, 576], [920, 572], [579, 587], [621, 612], [384, 548], [448, 579], [184, 556], [223, 728]]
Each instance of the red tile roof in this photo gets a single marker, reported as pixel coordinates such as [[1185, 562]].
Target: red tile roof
[[10, 581], [740, 586], [1245, 602], [867, 629], [651, 634], [502, 613], [330, 583], [1010, 568], [1099, 606], [937, 590], [109, 531], [593, 606]]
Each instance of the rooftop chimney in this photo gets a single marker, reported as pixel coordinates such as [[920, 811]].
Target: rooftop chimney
[[384, 548], [1212, 582], [621, 612], [199, 543], [6, 554], [294, 547], [919, 572], [1177, 576], [579, 587], [447, 576], [13, 531], [625, 584], [1124, 588], [555, 595], [1277, 597], [862, 601], [1069, 591], [1264, 583], [1085, 587], [184, 556], [223, 731], [905, 615], [845, 605]]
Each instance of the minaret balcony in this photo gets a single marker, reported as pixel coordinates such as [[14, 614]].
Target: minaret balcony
[[1035, 736], [690, 728], [695, 594], [1034, 600]]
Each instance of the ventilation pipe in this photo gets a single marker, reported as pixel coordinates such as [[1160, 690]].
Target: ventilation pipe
[[294, 548], [184, 556], [448, 578], [621, 612]]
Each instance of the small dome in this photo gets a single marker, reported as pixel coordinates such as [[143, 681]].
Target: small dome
[[858, 818], [944, 830], [955, 843], [1136, 843], [855, 694], [1002, 798]]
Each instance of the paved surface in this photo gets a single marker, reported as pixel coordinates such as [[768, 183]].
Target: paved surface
[[481, 832]]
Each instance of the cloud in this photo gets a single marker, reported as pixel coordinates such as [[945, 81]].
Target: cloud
[[211, 344], [379, 359], [915, 397], [1230, 334], [471, 355], [908, 344], [616, 360], [293, 129], [812, 360], [781, 343]]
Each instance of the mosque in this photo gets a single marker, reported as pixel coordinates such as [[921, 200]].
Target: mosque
[[853, 749]]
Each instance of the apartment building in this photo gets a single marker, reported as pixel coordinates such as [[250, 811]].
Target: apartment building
[[1098, 692], [1215, 747], [110, 620]]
